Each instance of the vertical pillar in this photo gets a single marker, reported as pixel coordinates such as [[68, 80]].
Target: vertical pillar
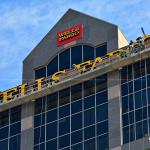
[[114, 110], [27, 126]]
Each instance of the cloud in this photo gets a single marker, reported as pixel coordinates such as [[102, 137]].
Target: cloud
[[25, 23]]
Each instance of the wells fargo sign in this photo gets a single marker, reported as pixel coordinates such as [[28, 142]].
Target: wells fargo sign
[[70, 35]]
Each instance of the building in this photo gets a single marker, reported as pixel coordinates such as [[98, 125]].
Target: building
[[103, 109]]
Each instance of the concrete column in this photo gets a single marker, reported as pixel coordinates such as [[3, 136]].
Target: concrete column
[[27, 126], [114, 110]]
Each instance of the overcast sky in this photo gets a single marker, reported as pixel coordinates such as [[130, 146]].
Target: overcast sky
[[23, 23]]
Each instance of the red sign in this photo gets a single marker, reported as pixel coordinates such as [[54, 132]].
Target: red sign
[[70, 35]]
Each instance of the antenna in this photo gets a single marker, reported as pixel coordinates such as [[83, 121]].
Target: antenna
[[143, 31]]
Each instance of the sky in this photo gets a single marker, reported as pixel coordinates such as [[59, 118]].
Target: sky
[[23, 23]]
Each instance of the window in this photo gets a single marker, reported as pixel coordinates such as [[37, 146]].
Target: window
[[102, 112], [102, 142], [89, 117], [39, 105], [52, 144], [101, 97], [64, 96], [4, 118], [89, 145], [76, 106], [39, 135], [101, 50], [77, 147], [89, 102], [76, 55], [52, 115], [89, 87], [52, 67], [76, 122], [76, 92], [51, 130], [101, 83], [4, 145], [64, 126], [14, 143], [88, 53], [64, 60], [52, 101], [15, 114], [64, 141], [40, 73], [64, 111], [89, 132], [102, 128], [76, 137]]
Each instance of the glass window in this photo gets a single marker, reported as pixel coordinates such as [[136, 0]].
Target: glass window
[[39, 120], [64, 126], [51, 115], [131, 102], [4, 118], [102, 128], [52, 67], [52, 101], [39, 105], [88, 53], [131, 117], [89, 145], [101, 97], [64, 141], [102, 142], [89, 132], [51, 130], [89, 102], [76, 92], [137, 72], [101, 83], [89, 117], [64, 111], [102, 112], [39, 73], [148, 65], [137, 84], [101, 50], [76, 55], [64, 96], [125, 119], [138, 100], [52, 144], [132, 133], [76, 137], [130, 73], [124, 89], [14, 143], [124, 75], [15, 128], [76, 122], [64, 60], [126, 135], [89, 87], [4, 145], [138, 115], [77, 147], [15, 114], [4, 133], [148, 80], [39, 135], [145, 127], [76, 106], [139, 133], [130, 85], [125, 104]]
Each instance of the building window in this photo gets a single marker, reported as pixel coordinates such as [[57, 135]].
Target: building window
[[39, 73]]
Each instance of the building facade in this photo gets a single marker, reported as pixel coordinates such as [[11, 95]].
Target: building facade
[[107, 110]]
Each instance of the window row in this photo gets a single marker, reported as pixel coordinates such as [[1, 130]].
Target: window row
[[135, 70], [77, 137], [101, 112], [10, 116], [67, 58], [75, 93]]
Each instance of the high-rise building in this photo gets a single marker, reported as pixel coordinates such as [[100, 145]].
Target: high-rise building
[[104, 108]]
